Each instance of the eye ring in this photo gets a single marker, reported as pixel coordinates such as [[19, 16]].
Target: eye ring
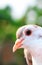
[[28, 32]]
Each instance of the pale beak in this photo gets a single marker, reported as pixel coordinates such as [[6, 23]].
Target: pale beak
[[18, 44]]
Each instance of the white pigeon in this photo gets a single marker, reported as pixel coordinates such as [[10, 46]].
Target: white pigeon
[[29, 37]]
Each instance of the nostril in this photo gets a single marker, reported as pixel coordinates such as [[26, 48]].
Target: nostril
[[19, 35]]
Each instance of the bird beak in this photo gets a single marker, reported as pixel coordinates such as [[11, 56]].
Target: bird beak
[[18, 44]]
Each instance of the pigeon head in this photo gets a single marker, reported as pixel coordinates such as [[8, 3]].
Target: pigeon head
[[26, 36]]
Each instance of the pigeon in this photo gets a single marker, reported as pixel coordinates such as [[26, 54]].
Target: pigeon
[[29, 37]]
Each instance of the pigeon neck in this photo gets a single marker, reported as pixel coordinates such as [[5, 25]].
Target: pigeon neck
[[36, 62]]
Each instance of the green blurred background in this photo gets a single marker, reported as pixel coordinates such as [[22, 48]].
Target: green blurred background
[[8, 28]]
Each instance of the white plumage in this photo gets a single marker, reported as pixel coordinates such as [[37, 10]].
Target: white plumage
[[29, 37]]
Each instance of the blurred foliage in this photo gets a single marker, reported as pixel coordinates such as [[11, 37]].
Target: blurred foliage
[[8, 28], [34, 12], [7, 24]]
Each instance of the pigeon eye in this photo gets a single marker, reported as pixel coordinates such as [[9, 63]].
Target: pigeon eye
[[28, 32]]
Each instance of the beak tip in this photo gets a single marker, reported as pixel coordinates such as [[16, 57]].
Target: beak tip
[[13, 49]]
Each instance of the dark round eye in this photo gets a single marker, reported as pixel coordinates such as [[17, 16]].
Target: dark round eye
[[28, 32]]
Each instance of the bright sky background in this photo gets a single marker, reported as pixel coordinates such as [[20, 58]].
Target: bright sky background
[[18, 6]]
